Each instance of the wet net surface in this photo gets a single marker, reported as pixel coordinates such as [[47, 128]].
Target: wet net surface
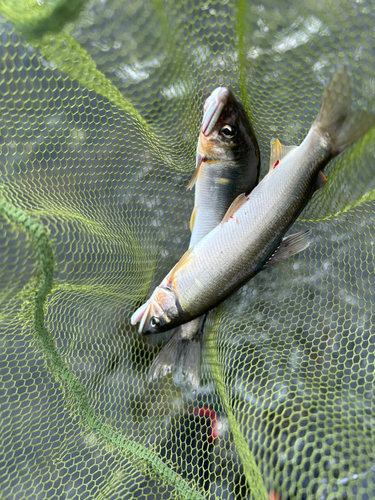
[[99, 120]]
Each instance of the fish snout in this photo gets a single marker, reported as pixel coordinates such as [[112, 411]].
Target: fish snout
[[213, 107]]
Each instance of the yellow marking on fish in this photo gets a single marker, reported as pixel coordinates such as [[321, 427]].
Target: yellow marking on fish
[[192, 218], [278, 152], [223, 180], [206, 146]]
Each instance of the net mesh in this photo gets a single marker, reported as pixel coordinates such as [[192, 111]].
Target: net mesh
[[99, 111]]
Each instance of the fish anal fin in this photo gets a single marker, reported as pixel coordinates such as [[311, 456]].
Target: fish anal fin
[[278, 152], [192, 218], [194, 177], [188, 255], [290, 245], [320, 181], [235, 205]]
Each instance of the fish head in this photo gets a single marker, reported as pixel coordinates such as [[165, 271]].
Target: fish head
[[158, 313], [226, 131]]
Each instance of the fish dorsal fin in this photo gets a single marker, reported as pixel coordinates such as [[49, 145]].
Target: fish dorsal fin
[[236, 204], [290, 245], [192, 218], [188, 255], [278, 152], [194, 177]]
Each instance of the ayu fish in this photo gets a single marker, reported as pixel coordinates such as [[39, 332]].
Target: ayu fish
[[250, 236], [227, 164]]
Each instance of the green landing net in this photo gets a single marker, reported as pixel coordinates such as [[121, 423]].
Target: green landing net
[[100, 107]]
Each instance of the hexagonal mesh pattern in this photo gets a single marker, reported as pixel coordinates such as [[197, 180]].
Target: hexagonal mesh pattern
[[99, 123]]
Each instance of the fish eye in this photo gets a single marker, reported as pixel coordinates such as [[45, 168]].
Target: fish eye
[[155, 322], [228, 131]]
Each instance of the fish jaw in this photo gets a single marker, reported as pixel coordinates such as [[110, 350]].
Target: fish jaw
[[157, 314], [213, 108]]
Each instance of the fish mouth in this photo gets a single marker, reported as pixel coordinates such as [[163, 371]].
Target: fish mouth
[[213, 108], [140, 316]]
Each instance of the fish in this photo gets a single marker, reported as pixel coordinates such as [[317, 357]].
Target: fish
[[227, 163], [251, 236]]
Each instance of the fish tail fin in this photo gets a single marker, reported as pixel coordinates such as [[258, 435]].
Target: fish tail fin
[[180, 350], [167, 359], [191, 360], [343, 125]]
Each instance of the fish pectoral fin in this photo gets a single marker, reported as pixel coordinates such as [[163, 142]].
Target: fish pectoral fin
[[192, 218], [278, 152], [188, 255], [194, 177], [235, 205], [193, 180], [320, 181], [290, 245]]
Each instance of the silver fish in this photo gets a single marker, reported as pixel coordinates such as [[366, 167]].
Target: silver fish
[[227, 163], [250, 237]]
